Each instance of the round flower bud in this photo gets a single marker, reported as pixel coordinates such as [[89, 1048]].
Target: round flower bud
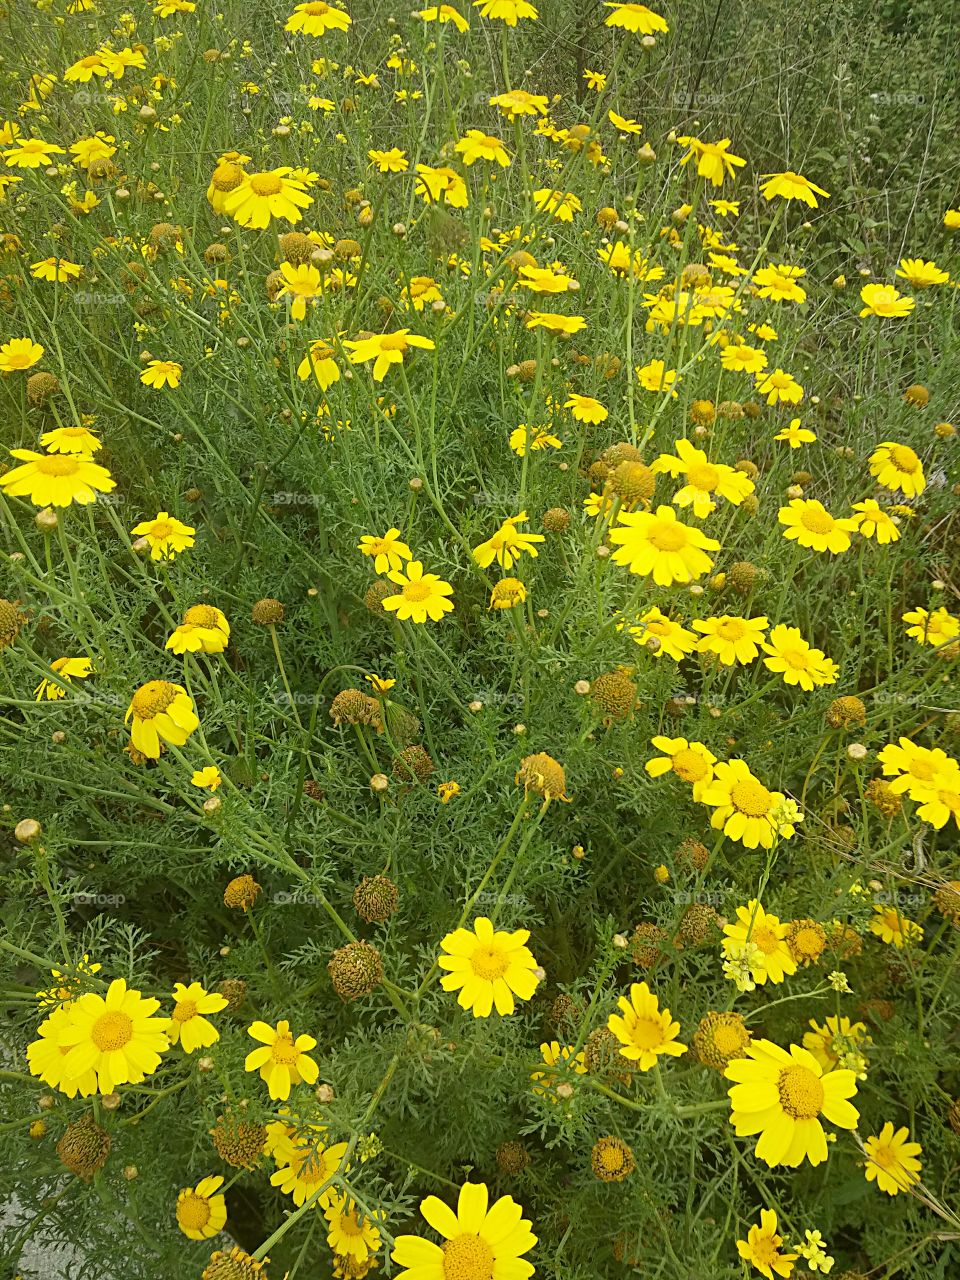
[[355, 970], [241, 893], [612, 1160], [84, 1148], [267, 612], [27, 830], [375, 899]]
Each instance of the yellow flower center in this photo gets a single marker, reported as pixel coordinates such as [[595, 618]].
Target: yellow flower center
[[646, 1033], [884, 1155], [112, 1030], [690, 765], [467, 1257], [764, 938], [193, 1211], [285, 1052], [489, 963], [727, 1040], [731, 629], [668, 537], [416, 592], [921, 769], [808, 942], [153, 698], [801, 1093], [703, 476], [611, 1159], [350, 1225], [904, 459], [184, 1010], [316, 9], [56, 464], [227, 177], [798, 659], [160, 530], [201, 615], [766, 1250], [265, 184], [815, 520], [750, 797]]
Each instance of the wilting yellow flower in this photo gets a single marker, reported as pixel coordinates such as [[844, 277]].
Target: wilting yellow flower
[[508, 11], [160, 711], [204, 630], [319, 361], [56, 270], [714, 159]]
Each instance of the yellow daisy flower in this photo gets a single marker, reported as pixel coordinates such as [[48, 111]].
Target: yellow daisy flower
[[488, 967]]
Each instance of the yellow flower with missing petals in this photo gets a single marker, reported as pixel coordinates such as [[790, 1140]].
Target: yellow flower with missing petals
[[316, 18], [307, 1165], [56, 270], [302, 283], [779, 387], [67, 669], [201, 1212], [703, 479], [389, 551], [794, 435], [762, 1248], [19, 353], [187, 1026], [441, 186], [209, 778], [791, 186], [874, 521], [508, 11], [204, 630], [166, 536], [421, 596], [508, 544], [162, 373], [319, 361], [385, 349], [714, 159], [162, 712], [282, 1059], [898, 469], [56, 480], [478, 1241], [71, 440], [892, 1160], [635, 18], [488, 967], [662, 635], [352, 1234], [645, 1031]]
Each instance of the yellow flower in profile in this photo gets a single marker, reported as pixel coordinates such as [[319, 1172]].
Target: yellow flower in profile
[[478, 1242], [798, 662], [791, 186], [67, 669], [303, 283], [781, 1096], [160, 711], [623, 124], [46, 1057], [56, 480], [937, 628], [810, 524], [56, 270], [732, 639], [645, 1031], [201, 1212], [762, 1248], [317, 18], [421, 596], [508, 544], [71, 440], [893, 928], [691, 761], [187, 1026], [31, 153], [19, 353], [892, 1160], [554, 322], [658, 545], [655, 376], [476, 145], [445, 13], [441, 186], [898, 469], [544, 280], [161, 373], [518, 102], [490, 968], [508, 11], [507, 594], [389, 551], [714, 159], [885, 301], [209, 778], [921, 274], [84, 69], [874, 521], [635, 18], [165, 535], [586, 409], [670, 638], [260, 197], [117, 1036], [385, 349], [745, 810], [204, 630], [561, 204], [765, 931], [392, 161], [319, 361], [951, 219], [703, 479], [794, 435], [282, 1059]]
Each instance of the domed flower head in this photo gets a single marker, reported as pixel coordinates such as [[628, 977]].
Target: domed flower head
[[658, 545], [898, 469], [508, 11], [762, 1248], [763, 930], [19, 353], [744, 809], [385, 349], [489, 967], [703, 479], [46, 1057], [187, 1026], [71, 440], [645, 1031], [116, 1035], [165, 535], [732, 639], [885, 301], [317, 18], [260, 197], [161, 711], [204, 630], [791, 186], [811, 525], [781, 1096], [892, 1160], [305, 1165], [874, 521], [635, 18], [56, 480], [480, 1241], [421, 595], [691, 761], [282, 1058], [67, 669], [798, 662], [162, 373], [389, 552], [201, 1212]]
